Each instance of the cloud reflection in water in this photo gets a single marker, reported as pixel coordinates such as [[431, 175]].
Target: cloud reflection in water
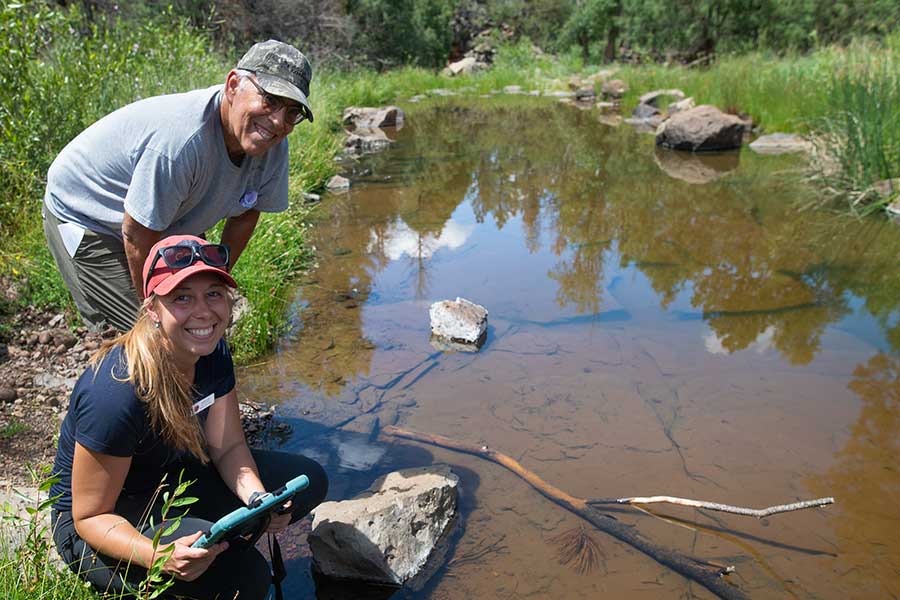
[[399, 240]]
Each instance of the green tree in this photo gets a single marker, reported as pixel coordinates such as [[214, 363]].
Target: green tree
[[592, 20], [403, 31]]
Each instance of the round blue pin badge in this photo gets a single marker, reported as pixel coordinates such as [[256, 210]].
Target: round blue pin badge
[[248, 200]]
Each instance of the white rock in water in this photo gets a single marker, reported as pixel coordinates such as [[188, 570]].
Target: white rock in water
[[386, 534], [338, 183], [459, 321], [780, 143]]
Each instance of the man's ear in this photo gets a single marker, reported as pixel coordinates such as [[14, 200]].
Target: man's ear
[[232, 83]]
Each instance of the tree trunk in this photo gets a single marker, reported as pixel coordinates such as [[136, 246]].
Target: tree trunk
[[612, 34]]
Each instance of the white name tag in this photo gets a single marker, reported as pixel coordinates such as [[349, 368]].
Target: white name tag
[[201, 405]]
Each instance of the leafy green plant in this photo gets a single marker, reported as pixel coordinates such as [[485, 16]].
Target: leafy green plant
[[12, 429], [157, 581]]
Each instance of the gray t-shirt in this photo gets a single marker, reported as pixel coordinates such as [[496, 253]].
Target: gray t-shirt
[[164, 161]]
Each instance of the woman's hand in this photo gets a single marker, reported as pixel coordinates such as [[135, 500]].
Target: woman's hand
[[188, 563], [278, 521]]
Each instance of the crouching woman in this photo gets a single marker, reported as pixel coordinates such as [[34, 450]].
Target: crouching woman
[[160, 400]]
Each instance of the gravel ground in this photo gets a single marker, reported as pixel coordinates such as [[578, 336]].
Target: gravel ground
[[40, 360]]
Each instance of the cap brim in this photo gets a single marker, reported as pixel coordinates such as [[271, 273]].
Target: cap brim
[[280, 87], [172, 281]]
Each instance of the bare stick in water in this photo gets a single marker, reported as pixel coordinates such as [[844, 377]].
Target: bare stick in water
[[759, 513]]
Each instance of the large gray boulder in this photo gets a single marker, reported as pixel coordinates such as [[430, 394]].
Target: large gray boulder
[[365, 116], [701, 129], [458, 321], [386, 534], [780, 143]]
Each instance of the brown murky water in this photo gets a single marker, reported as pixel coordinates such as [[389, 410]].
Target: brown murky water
[[659, 324]]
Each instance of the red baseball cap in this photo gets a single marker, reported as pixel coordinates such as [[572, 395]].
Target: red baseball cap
[[164, 278]]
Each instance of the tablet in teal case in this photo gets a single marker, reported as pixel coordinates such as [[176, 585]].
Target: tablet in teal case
[[246, 518]]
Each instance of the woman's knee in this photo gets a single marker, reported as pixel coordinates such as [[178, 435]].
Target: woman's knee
[[318, 482], [277, 467]]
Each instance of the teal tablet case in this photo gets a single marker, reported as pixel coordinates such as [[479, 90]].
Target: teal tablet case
[[246, 518]]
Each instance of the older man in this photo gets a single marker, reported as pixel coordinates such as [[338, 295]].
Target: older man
[[174, 164]]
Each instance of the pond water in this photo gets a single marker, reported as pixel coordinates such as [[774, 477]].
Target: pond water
[[659, 324]]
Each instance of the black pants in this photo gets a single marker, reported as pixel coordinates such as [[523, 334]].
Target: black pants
[[240, 570]]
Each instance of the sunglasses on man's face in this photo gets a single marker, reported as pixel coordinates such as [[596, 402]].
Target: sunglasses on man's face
[[293, 113], [179, 257]]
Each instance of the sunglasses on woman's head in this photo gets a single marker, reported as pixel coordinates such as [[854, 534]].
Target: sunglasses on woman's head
[[179, 257]]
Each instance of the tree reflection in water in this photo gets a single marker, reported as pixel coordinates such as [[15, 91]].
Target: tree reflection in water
[[866, 482], [746, 261]]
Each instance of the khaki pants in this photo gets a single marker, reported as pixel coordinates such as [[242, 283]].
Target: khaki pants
[[97, 276]]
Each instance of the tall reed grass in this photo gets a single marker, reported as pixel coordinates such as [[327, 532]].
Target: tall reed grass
[[859, 139]]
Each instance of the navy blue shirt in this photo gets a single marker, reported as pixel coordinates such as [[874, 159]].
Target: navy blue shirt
[[105, 415]]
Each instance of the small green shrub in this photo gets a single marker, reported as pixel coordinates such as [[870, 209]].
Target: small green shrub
[[12, 429]]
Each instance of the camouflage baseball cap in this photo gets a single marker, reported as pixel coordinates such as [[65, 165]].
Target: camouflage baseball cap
[[281, 70]]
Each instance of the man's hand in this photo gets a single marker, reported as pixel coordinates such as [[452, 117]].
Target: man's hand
[[138, 240]]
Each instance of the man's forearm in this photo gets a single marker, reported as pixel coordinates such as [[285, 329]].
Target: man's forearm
[[237, 232], [137, 240]]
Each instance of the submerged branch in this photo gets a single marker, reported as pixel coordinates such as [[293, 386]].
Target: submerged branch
[[707, 575]]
